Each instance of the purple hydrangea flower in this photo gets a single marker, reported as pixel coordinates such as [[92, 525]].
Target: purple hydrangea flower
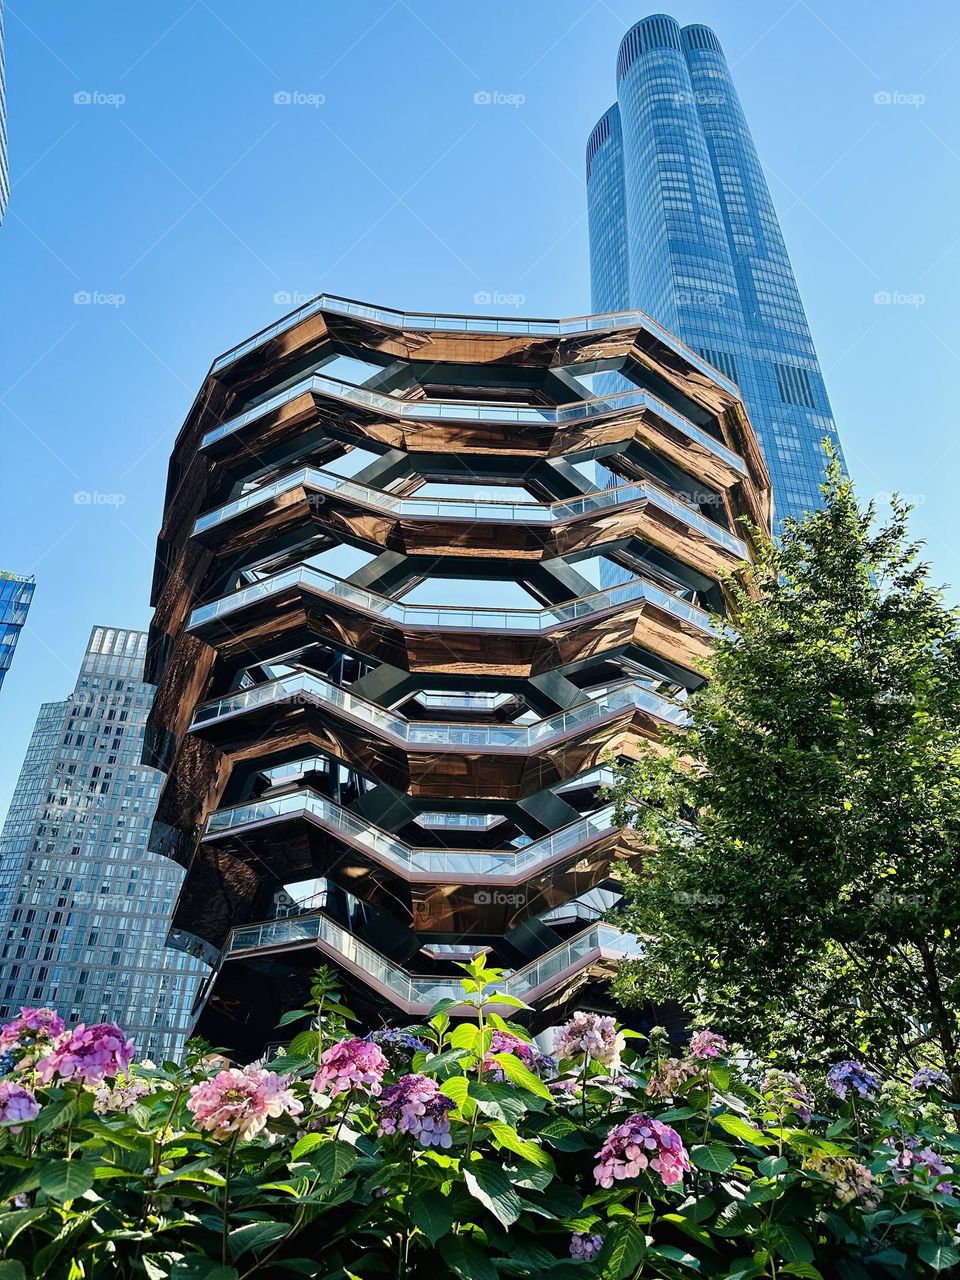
[[641, 1143], [18, 1106], [416, 1106], [88, 1053], [351, 1064], [847, 1075], [583, 1247], [930, 1078], [507, 1042], [707, 1044], [27, 1037], [400, 1044], [912, 1158]]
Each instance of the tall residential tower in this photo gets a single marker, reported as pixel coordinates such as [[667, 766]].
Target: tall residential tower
[[16, 595], [84, 908], [385, 702], [682, 226]]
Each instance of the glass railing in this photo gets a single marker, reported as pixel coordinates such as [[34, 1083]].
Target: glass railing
[[454, 617], [423, 992], [474, 410], [407, 859], [467, 509], [472, 324], [520, 738], [431, 699]]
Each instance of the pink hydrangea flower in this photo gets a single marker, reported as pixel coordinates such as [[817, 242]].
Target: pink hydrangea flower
[[668, 1076], [18, 1106], [507, 1042], [351, 1064], [591, 1035], [415, 1105], [641, 1143], [235, 1101], [123, 1096], [707, 1044], [87, 1053], [27, 1037]]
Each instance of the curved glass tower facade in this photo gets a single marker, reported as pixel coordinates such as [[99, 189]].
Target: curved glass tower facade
[[682, 226]]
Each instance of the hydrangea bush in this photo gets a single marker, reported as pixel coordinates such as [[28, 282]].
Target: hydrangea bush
[[461, 1148]]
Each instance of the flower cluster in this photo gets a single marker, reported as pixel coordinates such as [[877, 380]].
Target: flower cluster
[[242, 1102], [18, 1106], [847, 1075], [351, 1064], [398, 1045], [707, 1044], [930, 1078], [583, 1246], [507, 1042], [851, 1179], [668, 1077], [912, 1159], [27, 1037], [640, 1143], [788, 1090], [416, 1106], [123, 1096], [87, 1053], [590, 1035]]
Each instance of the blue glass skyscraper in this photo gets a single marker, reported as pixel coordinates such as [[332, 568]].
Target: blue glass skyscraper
[[15, 596], [682, 226]]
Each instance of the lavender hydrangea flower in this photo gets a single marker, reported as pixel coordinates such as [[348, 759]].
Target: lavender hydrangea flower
[[641, 1143], [930, 1078], [589, 1034], [415, 1105], [911, 1158], [399, 1045], [707, 1044], [88, 1053], [583, 1246], [351, 1064], [28, 1037], [18, 1106], [847, 1075]]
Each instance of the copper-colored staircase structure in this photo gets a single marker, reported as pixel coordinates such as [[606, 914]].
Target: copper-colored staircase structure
[[361, 777]]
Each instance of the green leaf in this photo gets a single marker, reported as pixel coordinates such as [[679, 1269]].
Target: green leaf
[[498, 1100], [716, 1158], [744, 1131], [457, 1088], [10, 1269], [334, 1162], [806, 1270], [516, 1072], [490, 1185], [55, 1115], [433, 1214], [508, 1137], [770, 1166], [791, 1243], [11, 1224], [466, 1260], [66, 1179], [304, 1044], [442, 1006], [196, 1266], [673, 1254], [254, 1237], [306, 1144], [938, 1255], [623, 1250], [294, 1015]]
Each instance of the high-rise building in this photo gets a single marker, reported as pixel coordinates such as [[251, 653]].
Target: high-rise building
[[682, 226], [84, 908], [4, 170], [387, 682], [15, 597]]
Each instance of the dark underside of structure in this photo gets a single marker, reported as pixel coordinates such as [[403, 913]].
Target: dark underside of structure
[[389, 688]]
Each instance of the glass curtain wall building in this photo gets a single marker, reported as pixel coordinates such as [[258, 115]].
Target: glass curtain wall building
[[84, 907], [15, 597], [682, 226]]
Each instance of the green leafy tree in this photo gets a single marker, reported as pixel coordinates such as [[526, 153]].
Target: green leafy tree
[[816, 910]]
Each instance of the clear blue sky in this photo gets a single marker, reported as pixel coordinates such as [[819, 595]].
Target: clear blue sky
[[200, 200]]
